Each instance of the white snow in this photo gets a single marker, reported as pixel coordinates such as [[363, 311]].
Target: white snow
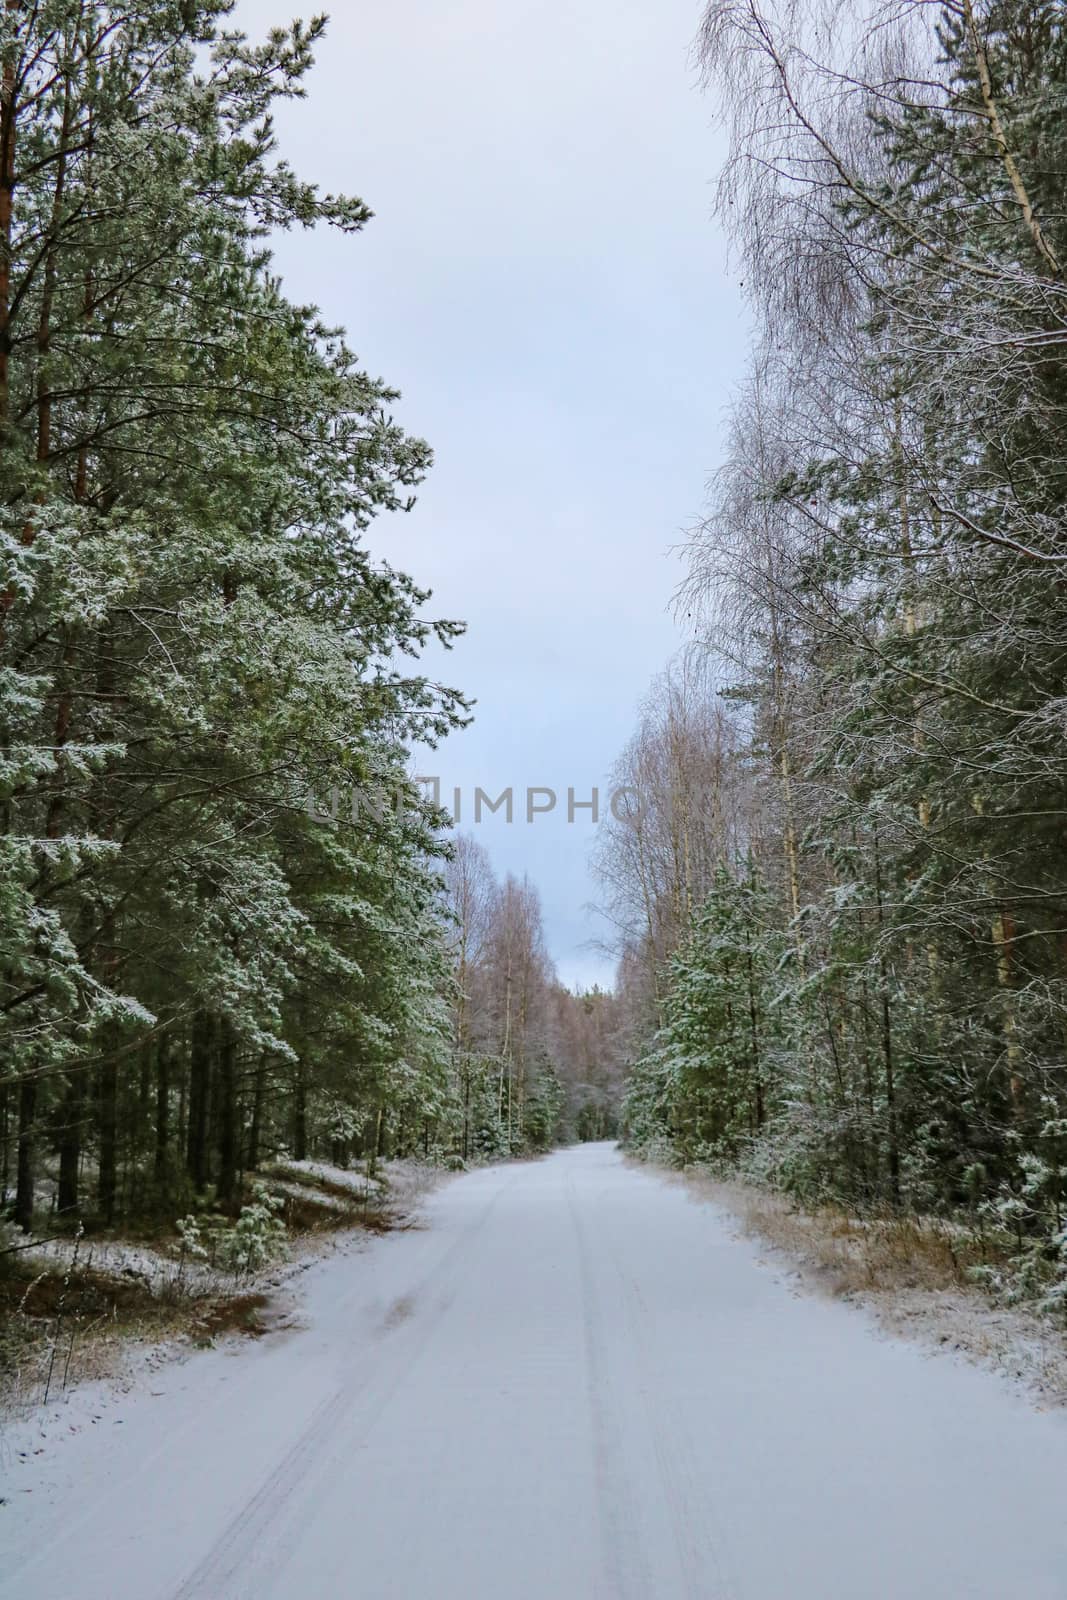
[[574, 1381]]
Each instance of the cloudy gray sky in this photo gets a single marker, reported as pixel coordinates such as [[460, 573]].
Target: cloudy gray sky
[[544, 282]]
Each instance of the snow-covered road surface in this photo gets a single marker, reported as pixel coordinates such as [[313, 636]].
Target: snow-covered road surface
[[575, 1383]]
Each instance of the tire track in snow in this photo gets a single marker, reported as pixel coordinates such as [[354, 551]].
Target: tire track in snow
[[260, 1536], [625, 1559], [702, 1543]]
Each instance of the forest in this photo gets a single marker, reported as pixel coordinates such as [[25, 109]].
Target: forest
[[353, 1239], [840, 907], [846, 905], [199, 968]]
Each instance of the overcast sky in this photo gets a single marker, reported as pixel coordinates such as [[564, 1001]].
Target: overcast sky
[[544, 282]]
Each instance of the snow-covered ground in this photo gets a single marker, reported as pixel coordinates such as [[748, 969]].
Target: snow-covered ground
[[573, 1380]]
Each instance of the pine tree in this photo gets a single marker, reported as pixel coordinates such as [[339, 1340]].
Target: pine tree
[[195, 635]]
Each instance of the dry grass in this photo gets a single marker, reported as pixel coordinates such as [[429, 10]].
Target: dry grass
[[889, 1253], [915, 1274], [70, 1313], [240, 1313], [59, 1327], [324, 1200]]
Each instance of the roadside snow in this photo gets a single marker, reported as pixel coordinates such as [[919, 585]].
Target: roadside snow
[[161, 1285], [908, 1297]]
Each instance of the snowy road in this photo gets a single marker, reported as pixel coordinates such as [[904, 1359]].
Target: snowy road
[[575, 1382]]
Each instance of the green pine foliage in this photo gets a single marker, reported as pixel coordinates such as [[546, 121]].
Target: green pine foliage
[[195, 969], [708, 1086]]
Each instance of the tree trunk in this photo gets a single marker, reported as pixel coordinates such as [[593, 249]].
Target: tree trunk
[[27, 1153], [8, 118], [227, 1124], [163, 1051], [5, 1141], [1003, 931], [300, 1116], [70, 1140], [107, 1114], [466, 1108], [196, 1153], [753, 1025], [892, 1136], [256, 1127]]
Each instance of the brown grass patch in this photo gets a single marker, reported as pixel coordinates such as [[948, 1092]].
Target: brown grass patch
[[67, 1323], [88, 1294], [305, 1215], [67, 1316], [860, 1255], [914, 1273], [239, 1313], [315, 1203]]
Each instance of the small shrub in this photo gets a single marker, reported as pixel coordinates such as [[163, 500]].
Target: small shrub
[[189, 1232], [258, 1235]]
